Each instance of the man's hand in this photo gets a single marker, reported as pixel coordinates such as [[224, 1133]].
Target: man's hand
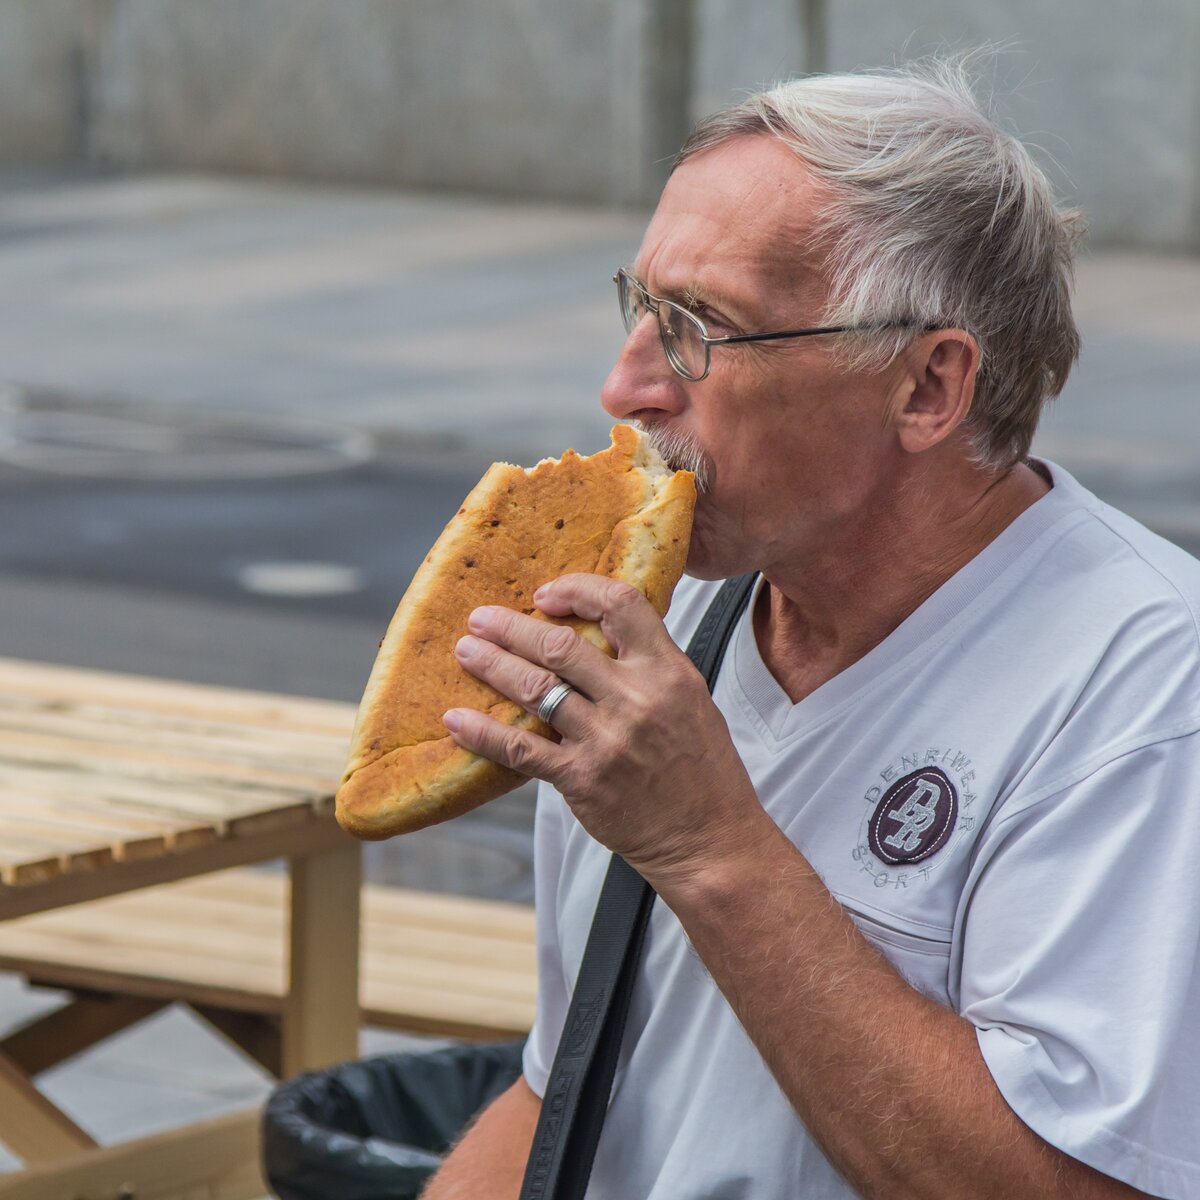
[[645, 762]]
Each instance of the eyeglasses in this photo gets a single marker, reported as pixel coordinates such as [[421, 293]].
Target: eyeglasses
[[684, 337]]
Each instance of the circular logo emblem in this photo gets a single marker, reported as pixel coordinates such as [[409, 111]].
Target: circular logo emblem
[[914, 817]]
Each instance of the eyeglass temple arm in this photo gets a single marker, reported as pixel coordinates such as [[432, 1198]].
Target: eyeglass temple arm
[[795, 333], [771, 337]]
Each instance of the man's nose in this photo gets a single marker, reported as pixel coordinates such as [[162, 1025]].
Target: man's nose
[[642, 382]]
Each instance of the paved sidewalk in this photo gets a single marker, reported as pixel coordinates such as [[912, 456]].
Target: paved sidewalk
[[432, 321]]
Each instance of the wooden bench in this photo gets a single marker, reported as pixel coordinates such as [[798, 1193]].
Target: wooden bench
[[431, 963]]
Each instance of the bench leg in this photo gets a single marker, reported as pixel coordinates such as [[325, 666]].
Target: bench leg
[[213, 1160], [257, 1036], [321, 1013], [89, 1018], [33, 1128]]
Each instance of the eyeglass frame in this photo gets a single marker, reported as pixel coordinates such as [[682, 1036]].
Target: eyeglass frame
[[653, 302]]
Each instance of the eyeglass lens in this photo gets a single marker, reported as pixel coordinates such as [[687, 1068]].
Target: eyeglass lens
[[633, 301], [681, 334]]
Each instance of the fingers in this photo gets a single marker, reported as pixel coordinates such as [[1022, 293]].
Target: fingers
[[557, 648], [518, 749], [626, 617], [524, 658], [524, 682]]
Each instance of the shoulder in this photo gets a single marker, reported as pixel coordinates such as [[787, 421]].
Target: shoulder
[[1106, 538], [1097, 645], [1122, 592]]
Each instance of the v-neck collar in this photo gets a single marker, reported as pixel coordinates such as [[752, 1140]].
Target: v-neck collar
[[934, 620]]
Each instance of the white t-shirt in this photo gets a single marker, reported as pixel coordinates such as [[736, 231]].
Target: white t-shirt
[[1005, 795]]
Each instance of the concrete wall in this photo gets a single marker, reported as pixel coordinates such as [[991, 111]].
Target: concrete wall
[[1109, 92], [43, 45], [527, 97], [577, 99], [457, 93]]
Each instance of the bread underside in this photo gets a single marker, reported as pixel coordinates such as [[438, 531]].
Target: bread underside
[[620, 513]]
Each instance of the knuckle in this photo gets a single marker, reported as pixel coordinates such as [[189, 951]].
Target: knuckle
[[560, 646], [533, 685], [640, 720], [681, 674], [613, 748], [522, 755], [623, 595]]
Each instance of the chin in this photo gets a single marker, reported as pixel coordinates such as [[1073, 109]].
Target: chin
[[710, 558]]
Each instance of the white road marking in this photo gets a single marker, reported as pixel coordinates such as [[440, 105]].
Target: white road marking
[[299, 579]]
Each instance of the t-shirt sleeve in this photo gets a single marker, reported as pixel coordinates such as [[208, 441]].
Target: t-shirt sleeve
[[552, 992], [1081, 965]]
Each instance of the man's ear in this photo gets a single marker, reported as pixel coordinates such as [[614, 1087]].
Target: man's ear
[[937, 388]]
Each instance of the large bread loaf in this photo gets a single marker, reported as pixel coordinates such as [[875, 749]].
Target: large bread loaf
[[621, 513]]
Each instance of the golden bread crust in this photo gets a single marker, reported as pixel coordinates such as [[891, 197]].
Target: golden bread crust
[[619, 513]]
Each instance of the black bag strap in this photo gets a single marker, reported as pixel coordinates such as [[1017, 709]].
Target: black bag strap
[[576, 1098]]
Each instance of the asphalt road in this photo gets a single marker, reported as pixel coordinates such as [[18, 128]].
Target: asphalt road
[[342, 543], [280, 583]]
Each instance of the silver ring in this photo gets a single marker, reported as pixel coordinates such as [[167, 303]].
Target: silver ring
[[551, 700]]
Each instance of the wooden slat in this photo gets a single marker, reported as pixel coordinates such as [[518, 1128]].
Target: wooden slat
[[136, 761], [249, 905], [446, 1014], [251, 977], [41, 853], [224, 956], [88, 828], [429, 962], [229, 943], [216, 1160], [172, 698], [185, 818], [220, 741], [116, 811], [243, 975], [438, 910], [314, 834], [189, 987], [238, 915]]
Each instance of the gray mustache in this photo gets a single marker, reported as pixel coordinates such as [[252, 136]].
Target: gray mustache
[[680, 451]]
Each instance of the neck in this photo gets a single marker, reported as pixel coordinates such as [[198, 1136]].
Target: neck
[[818, 616]]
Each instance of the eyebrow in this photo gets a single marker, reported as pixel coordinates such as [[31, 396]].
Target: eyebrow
[[700, 294]]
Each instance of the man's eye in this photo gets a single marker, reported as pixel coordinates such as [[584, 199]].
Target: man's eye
[[712, 321]]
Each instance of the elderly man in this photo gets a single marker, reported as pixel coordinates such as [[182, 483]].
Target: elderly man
[[926, 862]]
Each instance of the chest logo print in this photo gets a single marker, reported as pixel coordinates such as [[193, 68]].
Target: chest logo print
[[914, 817]]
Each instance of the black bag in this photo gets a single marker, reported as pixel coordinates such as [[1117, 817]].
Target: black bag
[[377, 1129]]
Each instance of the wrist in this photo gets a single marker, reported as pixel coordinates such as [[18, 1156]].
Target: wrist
[[730, 863]]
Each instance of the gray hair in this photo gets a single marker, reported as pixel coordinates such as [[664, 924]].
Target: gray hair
[[936, 217]]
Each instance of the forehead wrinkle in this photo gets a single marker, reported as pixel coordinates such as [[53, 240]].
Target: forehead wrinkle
[[740, 233]]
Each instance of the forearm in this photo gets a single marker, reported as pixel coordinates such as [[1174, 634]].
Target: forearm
[[490, 1158], [904, 1107]]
